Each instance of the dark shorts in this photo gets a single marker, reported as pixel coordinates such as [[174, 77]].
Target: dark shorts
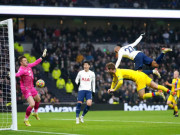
[[141, 59], [84, 94]]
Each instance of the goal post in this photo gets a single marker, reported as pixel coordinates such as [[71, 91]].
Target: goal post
[[8, 105]]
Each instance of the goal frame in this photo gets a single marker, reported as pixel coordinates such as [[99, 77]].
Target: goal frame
[[9, 23]]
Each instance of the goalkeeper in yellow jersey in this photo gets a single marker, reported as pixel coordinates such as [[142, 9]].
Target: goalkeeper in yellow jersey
[[140, 78], [175, 87]]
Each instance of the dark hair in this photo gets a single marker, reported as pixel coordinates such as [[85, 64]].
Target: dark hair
[[110, 65], [119, 44], [86, 62], [20, 58]]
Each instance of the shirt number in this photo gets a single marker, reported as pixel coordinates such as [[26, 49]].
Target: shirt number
[[129, 48]]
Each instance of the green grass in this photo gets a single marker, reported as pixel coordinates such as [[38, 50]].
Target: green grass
[[113, 123]]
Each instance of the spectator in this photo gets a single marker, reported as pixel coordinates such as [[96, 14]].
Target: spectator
[[113, 100], [32, 59], [69, 86], [56, 73], [79, 58], [126, 97], [19, 49], [166, 37], [60, 83], [105, 97], [27, 55], [46, 67]]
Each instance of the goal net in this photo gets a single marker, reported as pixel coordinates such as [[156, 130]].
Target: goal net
[[8, 110]]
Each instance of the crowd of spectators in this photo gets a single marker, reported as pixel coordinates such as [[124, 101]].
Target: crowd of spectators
[[144, 4], [68, 49]]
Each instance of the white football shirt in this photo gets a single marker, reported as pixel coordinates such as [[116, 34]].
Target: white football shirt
[[86, 79], [128, 51]]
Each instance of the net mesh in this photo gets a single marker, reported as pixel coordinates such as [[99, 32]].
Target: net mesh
[[5, 90]]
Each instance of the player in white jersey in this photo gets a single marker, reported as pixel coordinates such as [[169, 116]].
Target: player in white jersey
[[139, 57], [86, 78]]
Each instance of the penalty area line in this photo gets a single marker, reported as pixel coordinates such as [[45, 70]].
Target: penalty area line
[[54, 133]]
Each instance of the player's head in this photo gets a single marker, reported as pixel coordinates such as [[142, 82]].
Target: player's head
[[176, 74], [86, 65], [110, 68], [23, 61], [116, 49]]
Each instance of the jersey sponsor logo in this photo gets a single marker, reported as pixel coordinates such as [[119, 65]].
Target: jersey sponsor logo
[[142, 107], [85, 79], [29, 71]]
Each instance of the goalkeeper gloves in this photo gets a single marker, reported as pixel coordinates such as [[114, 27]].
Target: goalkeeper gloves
[[44, 53]]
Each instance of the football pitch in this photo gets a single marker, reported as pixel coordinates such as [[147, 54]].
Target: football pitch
[[101, 123]]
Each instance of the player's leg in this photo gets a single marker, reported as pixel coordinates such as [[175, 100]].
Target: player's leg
[[31, 102], [159, 87], [88, 105], [144, 95], [154, 64], [37, 100], [160, 57], [141, 93], [86, 109], [169, 102], [154, 71], [141, 85], [138, 61], [141, 59], [175, 108], [79, 102], [148, 61]]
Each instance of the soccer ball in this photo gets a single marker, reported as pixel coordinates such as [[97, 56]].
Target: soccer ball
[[40, 83]]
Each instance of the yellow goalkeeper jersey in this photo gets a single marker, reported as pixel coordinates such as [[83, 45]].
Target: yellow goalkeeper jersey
[[140, 78]]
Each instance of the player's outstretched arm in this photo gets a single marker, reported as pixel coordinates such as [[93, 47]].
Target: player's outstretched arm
[[120, 54], [119, 84], [168, 84], [177, 89], [138, 40], [38, 60], [114, 82], [110, 90]]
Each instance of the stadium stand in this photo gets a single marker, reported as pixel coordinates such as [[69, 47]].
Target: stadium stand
[[143, 4]]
